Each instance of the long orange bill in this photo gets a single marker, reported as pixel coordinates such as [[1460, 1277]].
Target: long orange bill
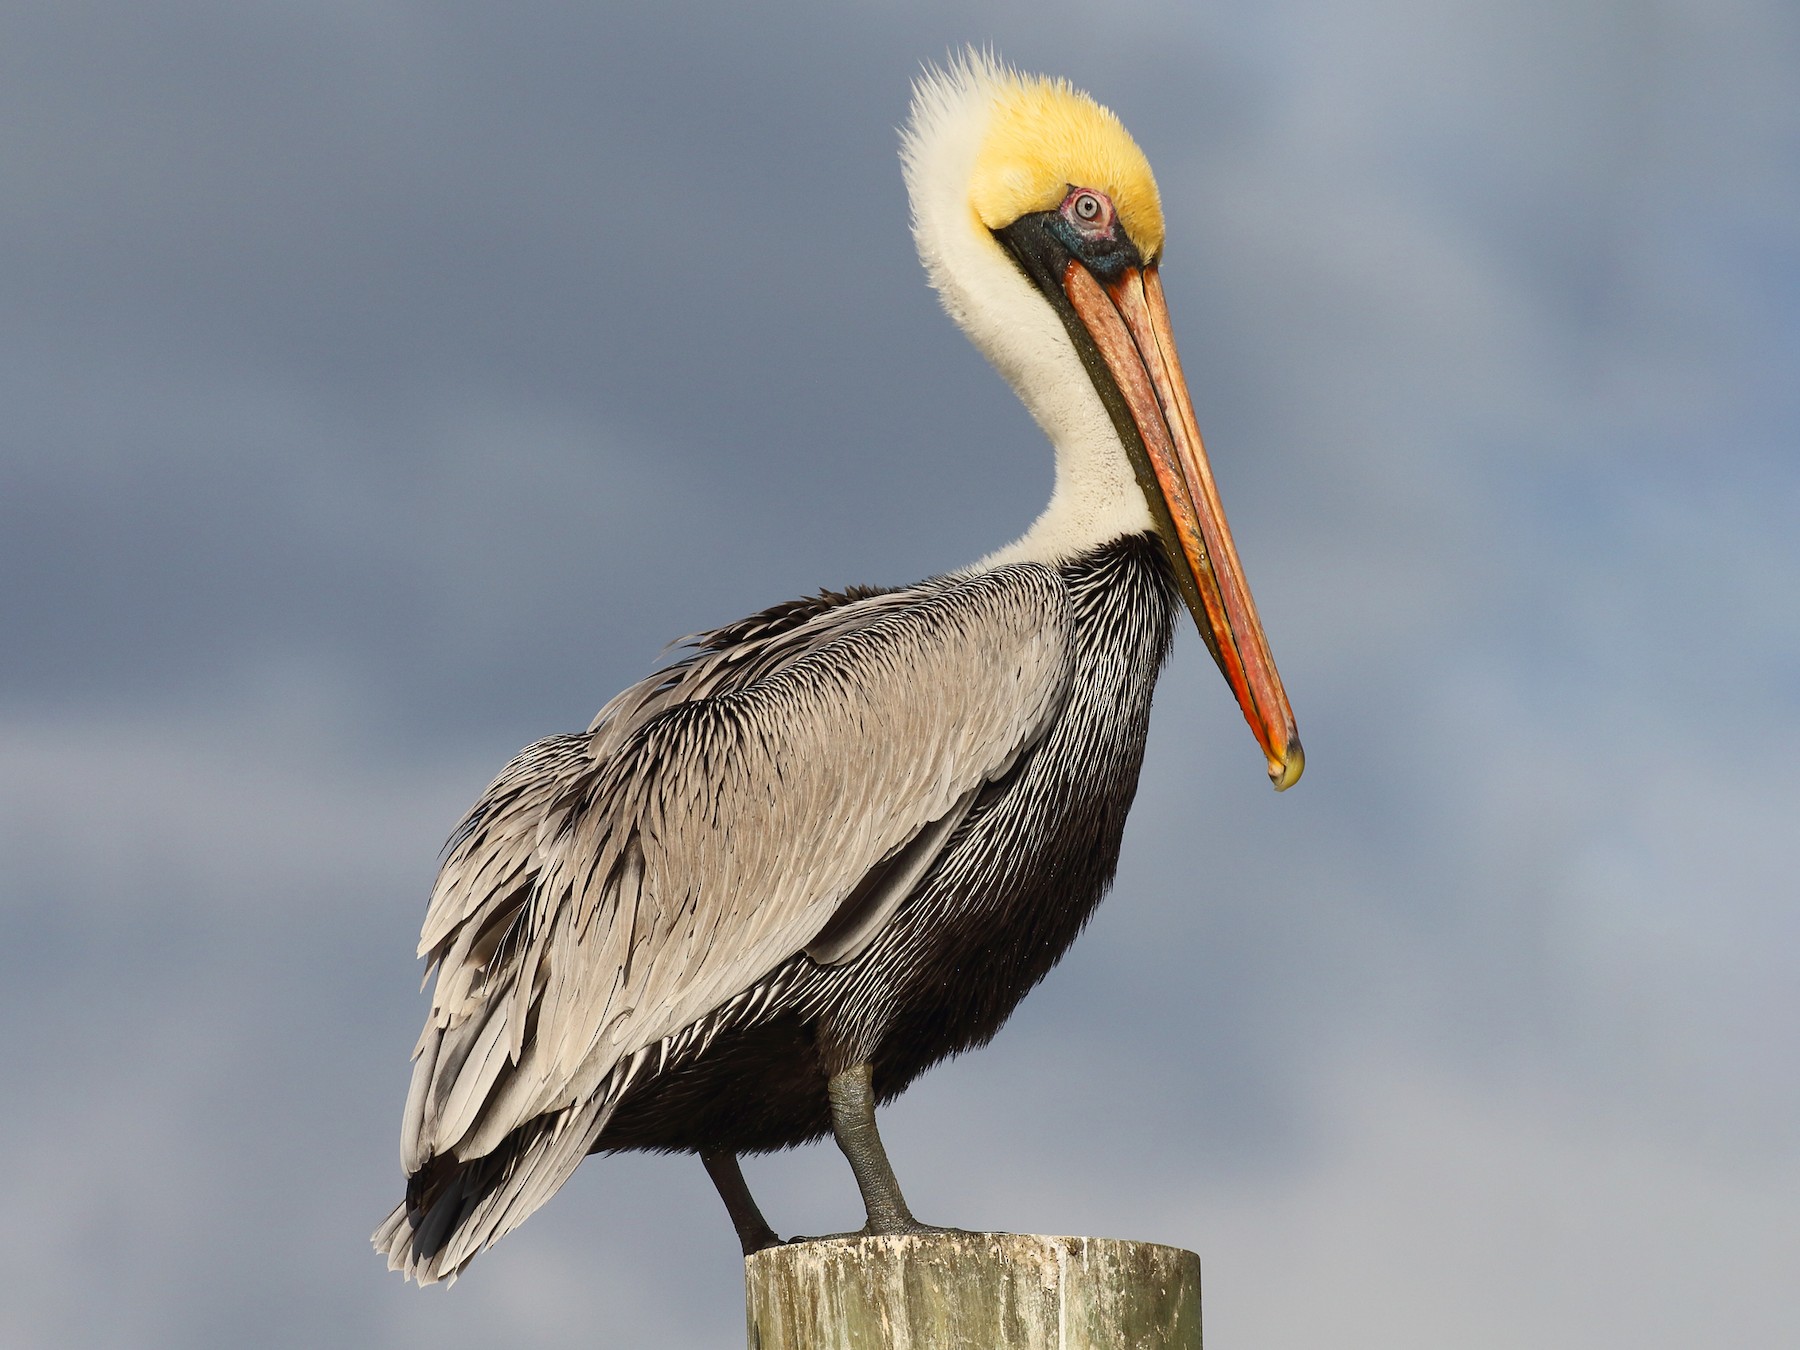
[[1128, 320]]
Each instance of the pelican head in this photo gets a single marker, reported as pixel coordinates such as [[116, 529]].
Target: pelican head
[[1039, 224]]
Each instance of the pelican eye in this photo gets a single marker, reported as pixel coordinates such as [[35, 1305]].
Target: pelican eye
[[1088, 211]]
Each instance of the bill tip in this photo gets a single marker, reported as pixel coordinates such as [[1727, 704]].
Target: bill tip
[[1285, 772]]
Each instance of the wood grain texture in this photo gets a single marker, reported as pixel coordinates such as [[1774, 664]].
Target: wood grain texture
[[997, 1291]]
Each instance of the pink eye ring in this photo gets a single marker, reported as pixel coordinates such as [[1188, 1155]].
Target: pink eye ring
[[1089, 211]]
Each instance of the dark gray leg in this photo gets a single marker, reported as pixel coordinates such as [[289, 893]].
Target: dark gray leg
[[753, 1230], [852, 1097]]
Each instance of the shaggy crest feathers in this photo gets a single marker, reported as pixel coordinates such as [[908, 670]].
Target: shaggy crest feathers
[[1039, 137]]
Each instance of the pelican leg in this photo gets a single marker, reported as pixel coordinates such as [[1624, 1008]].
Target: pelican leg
[[753, 1230], [852, 1096]]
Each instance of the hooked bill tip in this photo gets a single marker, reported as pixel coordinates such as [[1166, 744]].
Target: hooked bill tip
[[1284, 773]]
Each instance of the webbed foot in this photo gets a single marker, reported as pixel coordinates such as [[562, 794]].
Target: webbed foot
[[892, 1228]]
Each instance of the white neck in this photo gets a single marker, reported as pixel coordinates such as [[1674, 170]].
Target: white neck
[[1097, 497]]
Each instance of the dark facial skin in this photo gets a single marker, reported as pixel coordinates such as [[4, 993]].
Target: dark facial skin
[[1087, 225]]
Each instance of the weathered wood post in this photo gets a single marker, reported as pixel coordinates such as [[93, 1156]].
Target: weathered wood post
[[986, 1291]]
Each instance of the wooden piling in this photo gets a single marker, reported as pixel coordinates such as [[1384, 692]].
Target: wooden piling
[[986, 1291]]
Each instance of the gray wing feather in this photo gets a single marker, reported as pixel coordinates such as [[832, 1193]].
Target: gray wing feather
[[612, 889], [865, 912]]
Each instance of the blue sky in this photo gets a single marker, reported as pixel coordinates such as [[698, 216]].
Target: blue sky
[[387, 383]]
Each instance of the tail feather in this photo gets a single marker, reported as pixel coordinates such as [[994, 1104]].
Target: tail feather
[[456, 1209]]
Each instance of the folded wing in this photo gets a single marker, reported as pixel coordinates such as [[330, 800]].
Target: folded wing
[[779, 792]]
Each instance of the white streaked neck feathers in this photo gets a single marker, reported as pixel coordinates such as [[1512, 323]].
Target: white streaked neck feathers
[[1097, 497]]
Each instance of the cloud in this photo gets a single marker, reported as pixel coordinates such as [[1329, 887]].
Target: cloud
[[385, 388]]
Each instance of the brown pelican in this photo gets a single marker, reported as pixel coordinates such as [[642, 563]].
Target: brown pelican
[[840, 840]]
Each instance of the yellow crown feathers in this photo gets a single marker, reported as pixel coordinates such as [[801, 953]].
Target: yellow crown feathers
[[1044, 137]]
